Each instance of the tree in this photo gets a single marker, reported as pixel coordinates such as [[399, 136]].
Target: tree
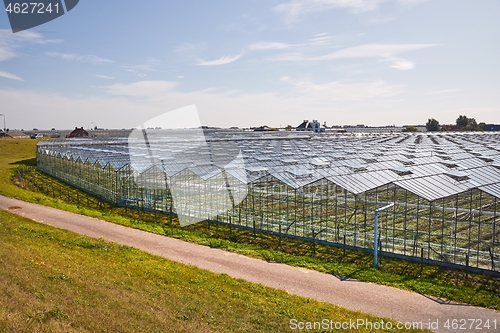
[[410, 129], [472, 125], [462, 121], [432, 125], [467, 124], [288, 128]]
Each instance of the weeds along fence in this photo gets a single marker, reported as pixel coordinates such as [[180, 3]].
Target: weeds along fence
[[27, 178], [448, 215]]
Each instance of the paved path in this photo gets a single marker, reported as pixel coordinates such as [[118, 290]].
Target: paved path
[[378, 300]]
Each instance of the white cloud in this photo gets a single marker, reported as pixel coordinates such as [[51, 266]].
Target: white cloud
[[292, 10], [268, 46], [444, 91], [221, 61], [319, 39], [190, 47], [10, 41], [104, 76], [6, 53], [26, 35], [91, 59], [383, 52], [180, 76], [147, 65], [49, 41], [374, 51], [140, 67], [10, 76], [141, 88], [290, 56], [402, 64], [345, 91], [293, 50]]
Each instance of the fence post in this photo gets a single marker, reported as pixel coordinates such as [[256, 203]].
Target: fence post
[[313, 244], [379, 249], [375, 241], [467, 266], [279, 236], [344, 246], [492, 259], [421, 260]]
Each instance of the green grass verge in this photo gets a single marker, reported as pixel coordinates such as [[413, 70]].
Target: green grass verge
[[53, 280], [431, 280]]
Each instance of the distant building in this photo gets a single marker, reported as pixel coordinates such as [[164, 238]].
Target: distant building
[[313, 126], [450, 128], [17, 135], [78, 133], [489, 127]]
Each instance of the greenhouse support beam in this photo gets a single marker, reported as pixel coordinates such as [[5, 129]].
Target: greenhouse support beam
[[375, 238]]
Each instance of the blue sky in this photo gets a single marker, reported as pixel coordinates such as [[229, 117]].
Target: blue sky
[[248, 63]]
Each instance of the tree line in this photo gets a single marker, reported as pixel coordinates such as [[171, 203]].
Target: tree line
[[463, 123]]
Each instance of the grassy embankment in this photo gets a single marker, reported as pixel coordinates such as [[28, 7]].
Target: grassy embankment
[[56, 281], [430, 280]]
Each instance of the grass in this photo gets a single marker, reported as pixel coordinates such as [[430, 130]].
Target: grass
[[53, 280], [431, 280]]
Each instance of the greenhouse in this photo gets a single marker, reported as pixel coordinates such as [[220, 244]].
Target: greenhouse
[[319, 187]]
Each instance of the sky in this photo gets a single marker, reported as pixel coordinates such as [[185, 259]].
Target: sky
[[253, 62]]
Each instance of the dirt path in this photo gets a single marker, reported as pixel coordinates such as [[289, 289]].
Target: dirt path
[[378, 300]]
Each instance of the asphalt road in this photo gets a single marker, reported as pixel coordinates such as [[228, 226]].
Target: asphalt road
[[383, 301]]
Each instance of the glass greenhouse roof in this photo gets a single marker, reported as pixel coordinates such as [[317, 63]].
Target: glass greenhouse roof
[[432, 166]]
